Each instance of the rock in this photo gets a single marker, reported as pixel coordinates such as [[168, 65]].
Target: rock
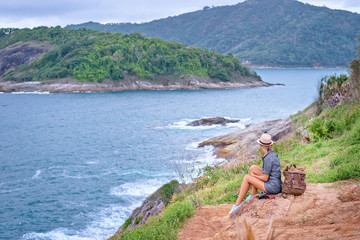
[[242, 144], [20, 53], [192, 82], [211, 121], [129, 83], [153, 205]]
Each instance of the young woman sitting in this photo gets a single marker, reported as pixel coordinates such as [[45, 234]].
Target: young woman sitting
[[267, 179]]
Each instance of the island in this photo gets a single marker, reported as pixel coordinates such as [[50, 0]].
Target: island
[[68, 60]]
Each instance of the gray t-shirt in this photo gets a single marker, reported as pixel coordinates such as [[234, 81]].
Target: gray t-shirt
[[271, 167]]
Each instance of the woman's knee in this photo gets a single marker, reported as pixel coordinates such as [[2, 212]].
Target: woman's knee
[[255, 170], [252, 168], [246, 178]]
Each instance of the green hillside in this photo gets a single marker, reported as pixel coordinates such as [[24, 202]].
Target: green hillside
[[88, 55], [283, 33]]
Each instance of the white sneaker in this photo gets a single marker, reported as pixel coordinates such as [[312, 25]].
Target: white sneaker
[[234, 208]]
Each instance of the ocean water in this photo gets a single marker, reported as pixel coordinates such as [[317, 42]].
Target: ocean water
[[74, 166]]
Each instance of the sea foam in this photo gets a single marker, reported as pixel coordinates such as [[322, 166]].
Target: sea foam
[[36, 175], [183, 124], [137, 189], [30, 92], [105, 223], [188, 167]]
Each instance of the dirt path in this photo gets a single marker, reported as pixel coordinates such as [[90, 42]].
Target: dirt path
[[324, 211]]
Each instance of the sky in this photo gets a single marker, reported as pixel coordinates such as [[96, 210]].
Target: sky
[[33, 13]]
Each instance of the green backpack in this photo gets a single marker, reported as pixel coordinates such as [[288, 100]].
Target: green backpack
[[294, 182]]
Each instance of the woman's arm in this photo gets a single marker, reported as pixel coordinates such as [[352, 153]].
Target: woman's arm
[[263, 177]]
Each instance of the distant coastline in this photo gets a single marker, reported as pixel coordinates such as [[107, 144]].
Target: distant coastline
[[284, 68]]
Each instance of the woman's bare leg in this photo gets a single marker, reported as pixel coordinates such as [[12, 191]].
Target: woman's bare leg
[[254, 191], [256, 171], [247, 181]]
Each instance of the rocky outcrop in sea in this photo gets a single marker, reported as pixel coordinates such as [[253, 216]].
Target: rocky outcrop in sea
[[212, 121]]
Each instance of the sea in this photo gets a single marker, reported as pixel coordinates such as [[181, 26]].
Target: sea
[[75, 165]]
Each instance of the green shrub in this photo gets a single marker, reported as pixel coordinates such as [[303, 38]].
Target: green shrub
[[164, 226], [317, 129], [354, 134], [126, 223], [138, 219], [168, 190]]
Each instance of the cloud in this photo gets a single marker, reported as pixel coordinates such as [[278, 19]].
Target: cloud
[[31, 13], [351, 4], [25, 13]]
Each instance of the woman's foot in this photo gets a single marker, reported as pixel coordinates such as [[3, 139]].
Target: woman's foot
[[234, 208], [249, 197]]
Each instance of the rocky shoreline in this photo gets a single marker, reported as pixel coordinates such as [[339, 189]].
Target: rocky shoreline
[[235, 147], [240, 145], [70, 85]]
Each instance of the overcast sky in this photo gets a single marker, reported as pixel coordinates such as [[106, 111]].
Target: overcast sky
[[32, 13]]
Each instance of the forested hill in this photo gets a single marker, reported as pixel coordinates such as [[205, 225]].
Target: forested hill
[[94, 56], [284, 33]]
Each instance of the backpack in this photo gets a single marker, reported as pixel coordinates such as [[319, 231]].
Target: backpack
[[294, 182]]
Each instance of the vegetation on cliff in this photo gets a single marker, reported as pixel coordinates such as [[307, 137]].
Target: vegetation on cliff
[[283, 33], [325, 141], [87, 55]]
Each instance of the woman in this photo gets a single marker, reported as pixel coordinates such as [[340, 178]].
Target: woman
[[267, 179]]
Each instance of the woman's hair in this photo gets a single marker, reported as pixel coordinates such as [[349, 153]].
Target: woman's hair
[[268, 148]]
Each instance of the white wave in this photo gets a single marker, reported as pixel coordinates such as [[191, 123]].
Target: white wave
[[36, 174], [245, 119], [78, 176], [204, 158], [183, 124], [236, 125], [109, 220], [57, 234], [188, 167], [35, 92], [193, 146], [73, 175], [137, 189], [147, 174], [55, 167], [209, 158], [91, 162], [9, 190], [105, 223]]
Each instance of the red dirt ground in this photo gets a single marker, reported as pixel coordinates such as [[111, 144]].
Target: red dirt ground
[[324, 211]]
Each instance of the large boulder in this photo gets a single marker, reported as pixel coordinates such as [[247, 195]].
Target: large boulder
[[211, 121]]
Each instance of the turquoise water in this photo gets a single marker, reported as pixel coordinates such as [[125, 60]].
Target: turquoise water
[[74, 166]]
